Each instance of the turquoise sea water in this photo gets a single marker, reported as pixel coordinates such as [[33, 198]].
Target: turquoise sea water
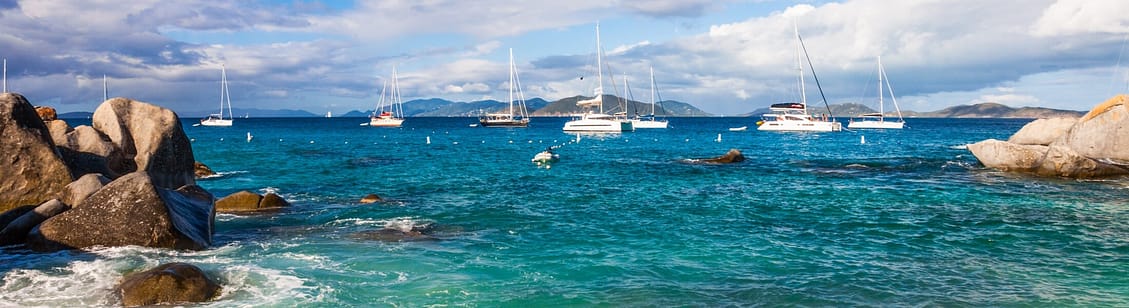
[[908, 218]]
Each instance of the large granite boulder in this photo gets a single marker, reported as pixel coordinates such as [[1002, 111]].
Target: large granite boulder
[[31, 170], [246, 201], [1103, 133], [1095, 145], [170, 283], [149, 138], [16, 231], [1042, 131], [132, 210]]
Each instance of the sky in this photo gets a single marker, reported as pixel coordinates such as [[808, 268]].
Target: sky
[[726, 57]]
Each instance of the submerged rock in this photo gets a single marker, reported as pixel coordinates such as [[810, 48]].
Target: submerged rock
[[31, 169], [371, 198], [733, 156], [170, 283]]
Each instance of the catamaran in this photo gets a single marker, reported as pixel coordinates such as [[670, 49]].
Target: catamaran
[[217, 119], [385, 115], [649, 120], [513, 117], [795, 116], [878, 120], [597, 122]]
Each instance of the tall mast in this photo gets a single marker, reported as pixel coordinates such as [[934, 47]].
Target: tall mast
[[881, 110], [105, 89], [511, 83], [652, 91], [5, 75], [599, 69], [800, 66]]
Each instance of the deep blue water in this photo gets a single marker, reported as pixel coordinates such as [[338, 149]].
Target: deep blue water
[[908, 218]]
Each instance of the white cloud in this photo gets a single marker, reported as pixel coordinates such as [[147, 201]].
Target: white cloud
[[1073, 17]]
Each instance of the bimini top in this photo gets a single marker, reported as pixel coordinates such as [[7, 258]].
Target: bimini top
[[788, 106]]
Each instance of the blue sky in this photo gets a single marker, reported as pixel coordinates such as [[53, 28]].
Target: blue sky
[[726, 57]]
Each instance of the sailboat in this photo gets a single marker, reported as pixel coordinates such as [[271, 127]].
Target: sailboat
[[105, 89], [385, 115], [512, 117], [597, 122], [878, 120], [649, 121], [5, 76], [795, 116], [217, 119]]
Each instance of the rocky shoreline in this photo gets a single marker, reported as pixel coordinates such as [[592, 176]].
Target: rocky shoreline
[[128, 179], [1095, 145]]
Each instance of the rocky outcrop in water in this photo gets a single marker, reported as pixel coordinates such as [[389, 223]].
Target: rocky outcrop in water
[[733, 156], [371, 198], [1095, 145], [246, 202], [131, 210], [153, 203], [170, 283], [200, 170]]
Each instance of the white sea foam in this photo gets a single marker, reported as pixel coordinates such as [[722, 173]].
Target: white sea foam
[[959, 147], [403, 224], [222, 174]]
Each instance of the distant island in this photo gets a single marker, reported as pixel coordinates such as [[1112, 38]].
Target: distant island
[[437, 107]]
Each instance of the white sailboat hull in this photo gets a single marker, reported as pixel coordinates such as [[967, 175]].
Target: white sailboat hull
[[215, 122], [598, 123], [385, 122], [648, 124], [867, 124], [800, 126]]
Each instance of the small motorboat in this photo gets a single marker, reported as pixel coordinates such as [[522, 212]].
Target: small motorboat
[[737, 129], [546, 157]]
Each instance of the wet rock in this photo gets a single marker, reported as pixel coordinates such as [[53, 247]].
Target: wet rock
[[16, 231], [170, 283], [371, 198], [148, 138], [76, 192], [202, 170], [31, 169], [395, 235], [272, 200], [131, 210], [246, 201], [733, 156]]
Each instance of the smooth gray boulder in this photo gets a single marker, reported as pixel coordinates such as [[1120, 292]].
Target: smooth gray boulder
[[148, 138]]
